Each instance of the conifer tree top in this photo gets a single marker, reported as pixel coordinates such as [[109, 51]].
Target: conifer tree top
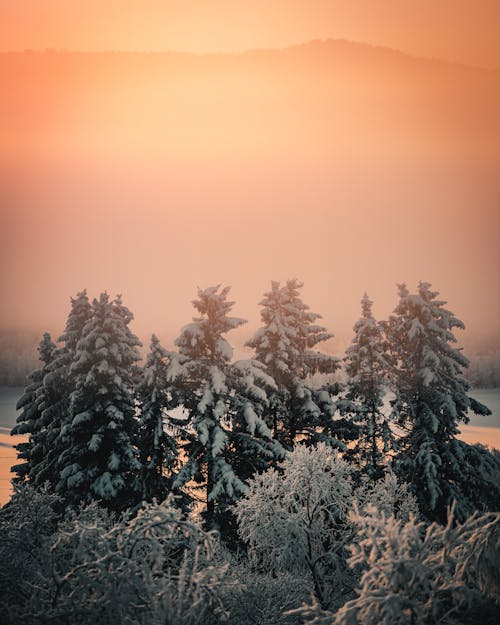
[[203, 337], [80, 313], [366, 306], [289, 332], [46, 348]]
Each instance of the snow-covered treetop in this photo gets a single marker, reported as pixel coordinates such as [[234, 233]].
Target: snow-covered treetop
[[203, 337], [80, 313], [46, 348], [289, 332], [421, 332], [366, 361], [155, 369], [157, 352], [107, 342]]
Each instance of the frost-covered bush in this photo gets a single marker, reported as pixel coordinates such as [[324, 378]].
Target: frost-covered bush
[[27, 523], [388, 496], [264, 598], [295, 520], [420, 575], [155, 568]]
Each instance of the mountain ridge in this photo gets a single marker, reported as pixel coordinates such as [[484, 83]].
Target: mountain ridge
[[332, 45]]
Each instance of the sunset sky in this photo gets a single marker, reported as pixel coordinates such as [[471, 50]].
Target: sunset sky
[[349, 166]]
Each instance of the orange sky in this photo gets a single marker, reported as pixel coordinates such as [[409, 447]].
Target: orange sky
[[454, 29], [347, 166]]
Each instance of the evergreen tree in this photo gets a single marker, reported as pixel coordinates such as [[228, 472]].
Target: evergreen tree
[[284, 345], [431, 399], [99, 459], [227, 437], [367, 367], [157, 446], [58, 384], [30, 421]]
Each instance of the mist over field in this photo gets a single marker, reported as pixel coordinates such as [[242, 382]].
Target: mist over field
[[349, 166]]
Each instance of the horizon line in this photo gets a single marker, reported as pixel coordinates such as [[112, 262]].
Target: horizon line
[[246, 51]]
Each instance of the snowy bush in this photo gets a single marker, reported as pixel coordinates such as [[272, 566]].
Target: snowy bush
[[296, 520], [420, 575], [262, 599], [27, 523], [156, 568]]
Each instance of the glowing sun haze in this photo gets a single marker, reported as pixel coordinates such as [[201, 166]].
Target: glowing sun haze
[[349, 166]]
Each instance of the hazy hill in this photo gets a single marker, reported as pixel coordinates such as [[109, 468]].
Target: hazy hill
[[352, 159], [336, 99]]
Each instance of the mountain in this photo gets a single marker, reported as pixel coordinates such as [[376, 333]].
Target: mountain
[[332, 99]]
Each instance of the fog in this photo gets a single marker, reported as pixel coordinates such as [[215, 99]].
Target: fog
[[350, 167]]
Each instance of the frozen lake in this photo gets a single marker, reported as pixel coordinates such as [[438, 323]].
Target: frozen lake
[[484, 430]]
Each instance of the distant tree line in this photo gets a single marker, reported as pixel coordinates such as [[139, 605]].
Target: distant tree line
[[18, 357], [196, 423]]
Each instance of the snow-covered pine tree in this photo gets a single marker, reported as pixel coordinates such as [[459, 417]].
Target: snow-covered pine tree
[[284, 345], [157, 446], [30, 421], [227, 438], [99, 460], [431, 399], [58, 385], [367, 367]]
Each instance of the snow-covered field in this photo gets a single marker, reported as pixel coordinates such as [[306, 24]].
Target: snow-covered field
[[484, 430]]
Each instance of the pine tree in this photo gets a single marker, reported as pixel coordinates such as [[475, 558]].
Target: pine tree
[[284, 345], [30, 421], [431, 399], [227, 437], [157, 446], [58, 384], [368, 368], [99, 460]]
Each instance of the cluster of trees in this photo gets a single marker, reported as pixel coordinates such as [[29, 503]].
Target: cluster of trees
[[196, 423], [484, 371], [197, 490]]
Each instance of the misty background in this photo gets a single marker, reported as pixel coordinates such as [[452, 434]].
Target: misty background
[[349, 166]]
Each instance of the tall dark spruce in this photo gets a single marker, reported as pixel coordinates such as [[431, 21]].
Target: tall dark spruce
[[58, 384], [30, 422], [99, 458], [227, 439], [284, 343], [368, 370], [431, 400], [156, 440]]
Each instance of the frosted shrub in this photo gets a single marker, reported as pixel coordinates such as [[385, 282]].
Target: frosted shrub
[[296, 520], [264, 598], [389, 497], [26, 526], [156, 568], [413, 574]]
